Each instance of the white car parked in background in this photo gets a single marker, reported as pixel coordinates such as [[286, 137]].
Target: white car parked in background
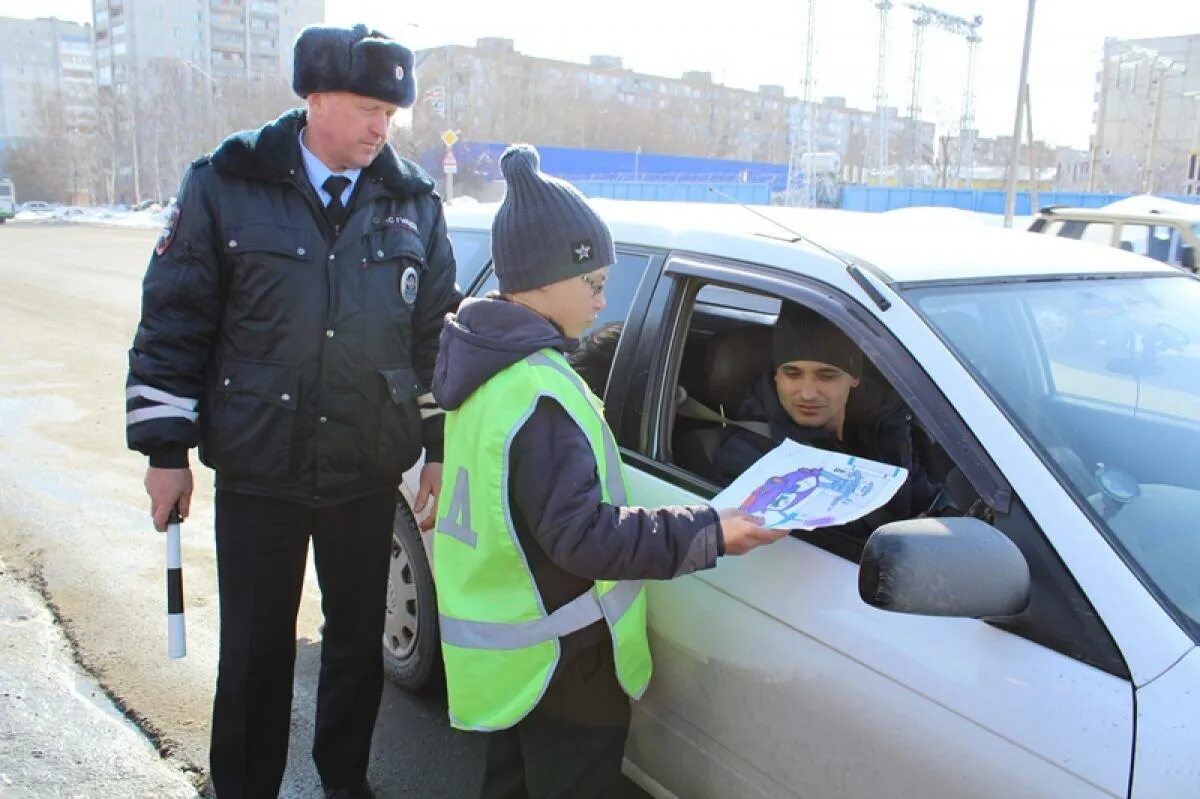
[[1038, 638]]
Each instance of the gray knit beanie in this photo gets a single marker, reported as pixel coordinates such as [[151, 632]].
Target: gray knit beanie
[[545, 231], [804, 335]]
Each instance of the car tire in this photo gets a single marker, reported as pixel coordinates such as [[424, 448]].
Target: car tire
[[412, 654]]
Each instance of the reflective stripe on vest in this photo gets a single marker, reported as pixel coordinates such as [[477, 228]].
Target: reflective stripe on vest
[[581, 611], [500, 647]]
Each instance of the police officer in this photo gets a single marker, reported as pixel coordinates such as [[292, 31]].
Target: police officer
[[540, 558], [289, 328]]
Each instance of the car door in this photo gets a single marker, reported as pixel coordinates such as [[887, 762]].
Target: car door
[[774, 679]]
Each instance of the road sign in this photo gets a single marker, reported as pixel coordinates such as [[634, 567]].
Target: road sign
[[450, 163], [449, 137]]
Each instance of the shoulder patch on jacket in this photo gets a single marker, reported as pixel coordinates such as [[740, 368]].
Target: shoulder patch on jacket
[[167, 236]]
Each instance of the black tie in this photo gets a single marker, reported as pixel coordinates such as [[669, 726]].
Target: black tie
[[335, 211]]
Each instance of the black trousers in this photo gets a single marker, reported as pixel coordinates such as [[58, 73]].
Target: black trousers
[[262, 546], [572, 744]]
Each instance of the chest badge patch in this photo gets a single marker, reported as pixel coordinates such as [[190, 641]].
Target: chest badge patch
[[404, 222], [410, 281]]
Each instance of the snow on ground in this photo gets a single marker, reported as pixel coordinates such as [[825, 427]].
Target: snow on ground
[[73, 214]]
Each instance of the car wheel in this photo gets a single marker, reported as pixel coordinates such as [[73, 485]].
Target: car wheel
[[412, 655]]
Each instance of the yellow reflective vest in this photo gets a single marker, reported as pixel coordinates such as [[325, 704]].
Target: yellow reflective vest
[[499, 645]]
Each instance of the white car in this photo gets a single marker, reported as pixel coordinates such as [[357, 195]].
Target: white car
[[1043, 643]]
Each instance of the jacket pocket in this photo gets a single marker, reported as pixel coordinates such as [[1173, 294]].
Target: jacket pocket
[[395, 244], [262, 240], [254, 419], [398, 441]]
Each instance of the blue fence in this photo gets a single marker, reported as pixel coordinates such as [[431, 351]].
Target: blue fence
[[749, 193], [885, 198], [612, 166]]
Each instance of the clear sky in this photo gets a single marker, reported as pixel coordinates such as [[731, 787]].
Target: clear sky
[[748, 43]]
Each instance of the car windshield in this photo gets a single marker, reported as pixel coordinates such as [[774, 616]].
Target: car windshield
[[1103, 377]]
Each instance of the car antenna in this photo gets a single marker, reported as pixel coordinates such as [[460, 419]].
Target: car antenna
[[856, 272]]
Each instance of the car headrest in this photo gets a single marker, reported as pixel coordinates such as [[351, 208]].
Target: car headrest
[[967, 335], [733, 360]]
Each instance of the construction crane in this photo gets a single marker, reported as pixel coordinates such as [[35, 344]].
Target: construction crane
[[966, 125], [881, 159], [796, 159], [923, 17]]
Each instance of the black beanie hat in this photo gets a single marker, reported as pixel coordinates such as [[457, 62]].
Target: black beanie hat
[[804, 335], [356, 60]]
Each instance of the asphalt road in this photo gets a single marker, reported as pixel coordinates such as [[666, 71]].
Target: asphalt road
[[74, 527]]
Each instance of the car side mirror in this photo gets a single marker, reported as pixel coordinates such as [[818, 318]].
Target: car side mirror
[[952, 566], [1187, 256]]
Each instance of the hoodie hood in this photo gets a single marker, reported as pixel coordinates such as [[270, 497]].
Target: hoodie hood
[[486, 336]]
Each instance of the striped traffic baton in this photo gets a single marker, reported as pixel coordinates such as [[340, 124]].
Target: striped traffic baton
[[176, 635]]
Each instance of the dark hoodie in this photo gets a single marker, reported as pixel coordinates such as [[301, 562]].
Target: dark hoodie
[[879, 427], [569, 535]]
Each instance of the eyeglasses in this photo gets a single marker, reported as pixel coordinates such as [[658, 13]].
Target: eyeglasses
[[596, 287]]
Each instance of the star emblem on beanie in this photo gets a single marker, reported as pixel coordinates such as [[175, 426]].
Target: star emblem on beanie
[[582, 251]]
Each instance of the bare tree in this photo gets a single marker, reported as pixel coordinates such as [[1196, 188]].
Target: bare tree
[[58, 163]]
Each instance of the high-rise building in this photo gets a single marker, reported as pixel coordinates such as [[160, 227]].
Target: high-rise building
[[46, 77], [1147, 119], [239, 39]]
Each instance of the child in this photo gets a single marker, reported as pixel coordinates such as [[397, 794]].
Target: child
[[537, 556]]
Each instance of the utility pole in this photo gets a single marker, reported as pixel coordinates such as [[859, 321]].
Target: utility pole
[[137, 179], [1034, 171], [1193, 159], [1014, 159], [1162, 69], [1156, 89]]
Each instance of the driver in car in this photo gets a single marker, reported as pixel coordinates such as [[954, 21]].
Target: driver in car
[[815, 395]]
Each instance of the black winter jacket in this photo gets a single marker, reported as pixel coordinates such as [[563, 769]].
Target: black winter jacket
[[295, 359], [569, 535], [878, 427]]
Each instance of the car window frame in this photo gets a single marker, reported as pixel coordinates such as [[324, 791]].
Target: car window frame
[[485, 263], [645, 406]]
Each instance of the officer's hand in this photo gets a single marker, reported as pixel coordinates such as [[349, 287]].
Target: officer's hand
[[431, 484], [166, 487], [743, 532]]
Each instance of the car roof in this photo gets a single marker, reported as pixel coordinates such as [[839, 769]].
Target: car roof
[[1112, 214], [901, 250]]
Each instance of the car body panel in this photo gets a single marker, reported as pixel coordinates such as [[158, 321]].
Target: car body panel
[[803, 681], [1166, 762]]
